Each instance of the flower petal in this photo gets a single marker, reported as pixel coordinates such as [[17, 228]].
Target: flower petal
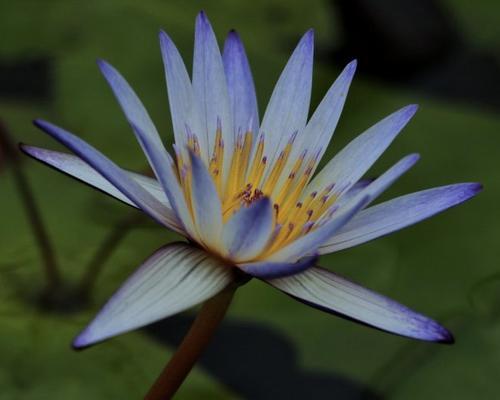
[[183, 107], [379, 185], [114, 174], [348, 166], [288, 107], [147, 135], [210, 90], [354, 191], [175, 278], [240, 86], [319, 130], [248, 231], [79, 169], [272, 270], [207, 208], [309, 243], [398, 213], [329, 292]]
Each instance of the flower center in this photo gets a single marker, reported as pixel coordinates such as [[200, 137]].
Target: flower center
[[296, 213]]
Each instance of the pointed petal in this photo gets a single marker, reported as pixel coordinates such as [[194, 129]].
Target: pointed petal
[[240, 85], [109, 170], [288, 107], [379, 185], [147, 135], [210, 90], [79, 169], [309, 243], [272, 270], [248, 231], [207, 208], [183, 107], [329, 292], [398, 213], [319, 130], [359, 186], [173, 279], [348, 166]]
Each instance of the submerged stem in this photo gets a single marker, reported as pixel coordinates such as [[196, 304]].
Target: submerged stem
[[192, 346], [30, 206]]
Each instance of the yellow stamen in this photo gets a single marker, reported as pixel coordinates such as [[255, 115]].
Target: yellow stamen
[[257, 168]]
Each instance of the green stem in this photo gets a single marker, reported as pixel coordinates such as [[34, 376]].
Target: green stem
[[192, 346]]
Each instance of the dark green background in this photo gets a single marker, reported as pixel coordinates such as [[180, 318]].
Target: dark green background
[[446, 267]]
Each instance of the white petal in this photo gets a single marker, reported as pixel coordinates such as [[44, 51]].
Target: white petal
[[398, 213], [209, 84], [147, 135], [207, 207], [269, 270], [109, 170], [348, 166], [248, 231], [314, 138], [175, 278], [379, 185], [79, 169], [329, 292], [288, 107], [183, 106], [240, 85]]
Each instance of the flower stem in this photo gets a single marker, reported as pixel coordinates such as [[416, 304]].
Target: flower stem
[[40, 233], [193, 344]]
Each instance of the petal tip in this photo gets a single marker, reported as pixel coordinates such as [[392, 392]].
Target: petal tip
[[413, 158], [438, 333], [82, 341], [446, 337], [164, 38], [27, 149], [104, 66], [470, 190], [308, 39], [42, 124], [351, 67], [476, 187], [233, 34], [202, 19], [410, 110]]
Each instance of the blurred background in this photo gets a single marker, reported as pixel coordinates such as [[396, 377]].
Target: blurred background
[[65, 248]]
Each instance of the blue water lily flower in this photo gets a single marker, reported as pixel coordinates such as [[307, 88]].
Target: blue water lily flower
[[245, 193]]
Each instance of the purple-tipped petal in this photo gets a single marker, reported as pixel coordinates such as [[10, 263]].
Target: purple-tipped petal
[[398, 213], [354, 191], [173, 279], [109, 170], [165, 171], [329, 292], [348, 166], [183, 106], [207, 207], [240, 86], [288, 107], [247, 232], [309, 243], [210, 90], [272, 270], [80, 170], [319, 130], [379, 185], [149, 139]]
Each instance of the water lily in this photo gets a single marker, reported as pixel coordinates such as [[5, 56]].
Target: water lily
[[245, 191]]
